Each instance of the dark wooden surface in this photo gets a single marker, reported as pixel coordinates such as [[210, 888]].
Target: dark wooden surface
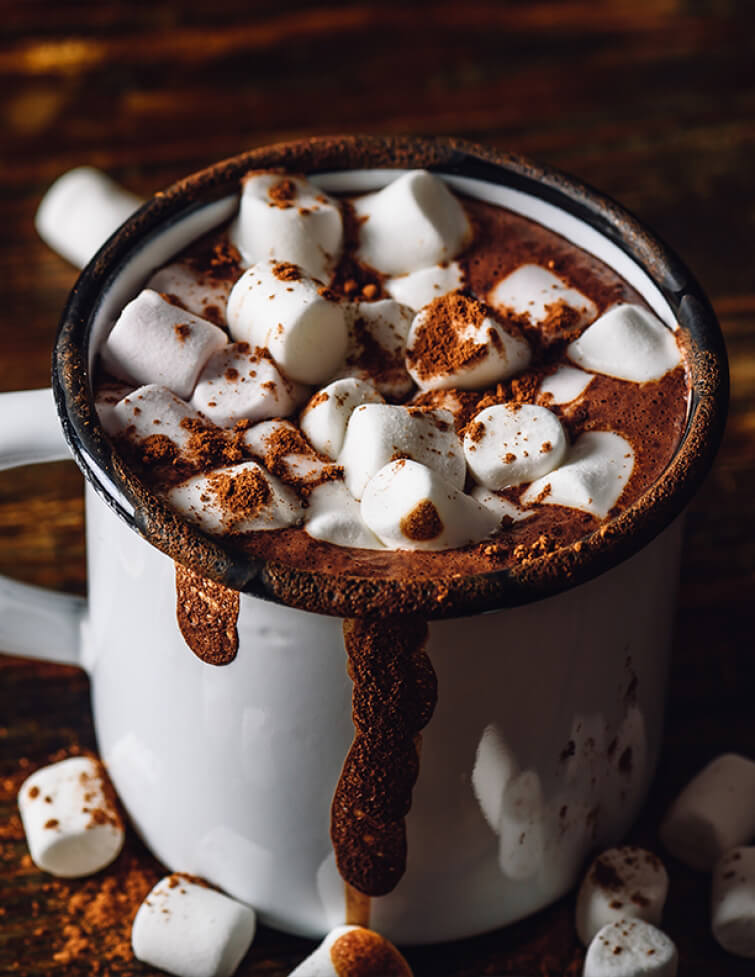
[[653, 101]]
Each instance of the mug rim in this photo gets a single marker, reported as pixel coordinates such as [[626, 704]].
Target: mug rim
[[347, 595]]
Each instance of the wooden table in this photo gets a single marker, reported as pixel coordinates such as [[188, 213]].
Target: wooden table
[[651, 100]]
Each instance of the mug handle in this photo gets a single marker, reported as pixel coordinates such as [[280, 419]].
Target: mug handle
[[36, 622]]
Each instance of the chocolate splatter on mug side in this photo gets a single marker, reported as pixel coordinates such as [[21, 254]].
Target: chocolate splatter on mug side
[[207, 613]]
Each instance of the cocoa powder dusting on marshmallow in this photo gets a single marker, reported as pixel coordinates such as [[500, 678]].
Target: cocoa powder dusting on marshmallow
[[240, 495], [182, 331], [423, 523], [364, 953], [438, 344], [207, 613], [282, 193], [285, 271]]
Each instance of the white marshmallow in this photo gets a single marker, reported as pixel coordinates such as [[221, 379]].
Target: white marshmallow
[[493, 353], [410, 506], [565, 384], [500, 505], [520, 849], [592, 476], [532, 291], [292, 458], [631, 948], [105, 402], [71, 825], [621, 883], [323, 420], [198, 499], [733, 902], [306, 229], [335, 516], [150, 410], [508, 444], [412, 223], [377, 344], [359, 950], [156, 342], [80, 211], [714, 813], [192, 931], [494, 767], [204, 295], [627, 342], [304, 332], [240, 383], [379, 433], [418, 288]]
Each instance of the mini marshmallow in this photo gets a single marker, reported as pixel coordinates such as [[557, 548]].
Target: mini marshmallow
[[714, 813], [335, 516], [472, 351], [535, 292], [621, 883], [508, 444], [355, 951], [238, 383], [412, 223], [627, 342], [499, 504], [733, 902], [275, 306], [377, 344], [494, 767], [284, 450], [236, 499], [191, 930], [379, 433], [520, 849], [149, 410], [564, 385], [323, 420], [631, 948], [204, 295], [287, 218], [592, 476], [411, 507], [80, 211], [106, 398], [420, 287], [72, 827], [156, 342]]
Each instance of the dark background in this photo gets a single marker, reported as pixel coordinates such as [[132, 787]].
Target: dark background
[[652, 101]]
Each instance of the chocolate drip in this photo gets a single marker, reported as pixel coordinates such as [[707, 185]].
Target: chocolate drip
[[207, 613], [394, 696], [357, 907]]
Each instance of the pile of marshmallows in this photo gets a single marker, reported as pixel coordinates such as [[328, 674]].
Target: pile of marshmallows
[[295, 343]]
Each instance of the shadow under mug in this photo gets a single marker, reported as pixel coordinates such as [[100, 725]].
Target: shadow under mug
[[551, 675]]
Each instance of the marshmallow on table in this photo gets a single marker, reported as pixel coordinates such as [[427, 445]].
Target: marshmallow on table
[[277, 307], [377, 343], [627, 342], [323, 420], [80, 211], [287, 218], [150, 410], [714, 812], [202, 294], [591, 477], [508, 444], [412, 223], [191, 930], [565, 384], [335, 516], [621, 883], [380, 433], [420, 287], [71, 825], [156, 342], [534, 292], [410, 506], [733, 902], [353, 951], [456, 342], [631, 948]]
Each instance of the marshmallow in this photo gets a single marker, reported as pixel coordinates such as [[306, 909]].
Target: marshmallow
[[733, 902], [411, 507], [499, 505], [334, 516], [287, 218], [621, 883], [107, 397], [631, 948], [494, 767], [508, 444], [355, 951], [80, 211], [72, 826], [412, 223], [420, 287], [377, 344], [204, 295], [238, 383], [323, 421], [714, 813], [627, 342], [564, 385], [236, 499], [455, 342], [191, 930], [150, 410], [280, 444], [379, 433], [535, 292], [591, 478], [156, 342], [277, 307], [520, 849]]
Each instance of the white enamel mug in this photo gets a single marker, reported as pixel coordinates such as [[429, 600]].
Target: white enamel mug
[[550, 690]]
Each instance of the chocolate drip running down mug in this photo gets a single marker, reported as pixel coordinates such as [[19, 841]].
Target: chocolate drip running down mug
[[551, 674]]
